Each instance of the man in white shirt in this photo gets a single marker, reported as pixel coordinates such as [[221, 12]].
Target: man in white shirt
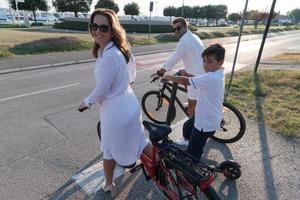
[[189, 49], [209, 108]]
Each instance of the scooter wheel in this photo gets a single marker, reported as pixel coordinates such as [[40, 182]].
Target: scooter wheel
[[231, 169]]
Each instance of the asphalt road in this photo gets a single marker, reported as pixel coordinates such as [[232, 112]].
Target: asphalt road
[[44, 140]]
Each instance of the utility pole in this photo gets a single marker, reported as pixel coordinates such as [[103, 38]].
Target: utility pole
[[150, 9], [265, 36], [182, 8]]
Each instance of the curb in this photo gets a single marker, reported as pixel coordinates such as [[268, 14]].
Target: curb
[[62, 64]]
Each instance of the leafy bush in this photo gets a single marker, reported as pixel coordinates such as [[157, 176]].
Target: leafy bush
[[204, 35], [144, 28], [72, 25], [168, 37], [232, 33], [37, 24], [288, 28], [130, 28], [218, 34], [257, 31], [12, 26]]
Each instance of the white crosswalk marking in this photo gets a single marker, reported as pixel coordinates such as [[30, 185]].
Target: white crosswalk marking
[[91, 179]]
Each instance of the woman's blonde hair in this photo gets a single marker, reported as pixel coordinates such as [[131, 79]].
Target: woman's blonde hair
[[117, 31]]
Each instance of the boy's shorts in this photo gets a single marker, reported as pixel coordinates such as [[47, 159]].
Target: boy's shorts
[[192, 92]]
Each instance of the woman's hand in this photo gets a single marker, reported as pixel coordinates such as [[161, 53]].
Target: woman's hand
[[82, 107]]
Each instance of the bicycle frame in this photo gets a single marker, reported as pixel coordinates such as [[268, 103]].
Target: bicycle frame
[[172, 88]]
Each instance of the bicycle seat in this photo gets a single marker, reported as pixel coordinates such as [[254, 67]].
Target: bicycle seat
[[157, 131]]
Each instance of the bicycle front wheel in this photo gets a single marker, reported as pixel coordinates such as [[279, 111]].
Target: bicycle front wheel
[[155, 106], [233, 125]]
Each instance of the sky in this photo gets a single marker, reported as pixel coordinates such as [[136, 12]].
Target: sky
[[233, 5]]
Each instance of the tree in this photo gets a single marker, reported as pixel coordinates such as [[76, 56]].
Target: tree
[[234, 17], [30, 6], [210, 12], [110, 4], [72, 6], [295, 14], [187, 12], [221, 12], [260, 16], [197, 12], [132, 9], [170, 11]]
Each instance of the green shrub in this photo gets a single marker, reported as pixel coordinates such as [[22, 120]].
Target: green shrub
[[167, 37], [144, 28], [257, 31], [130, 28], [72, 25], [288, 28], [204, 35], [37, 24], [232, 33], [218, 34], [12, 26]]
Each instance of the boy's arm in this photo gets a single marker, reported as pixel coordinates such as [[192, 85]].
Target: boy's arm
[[177, 79]]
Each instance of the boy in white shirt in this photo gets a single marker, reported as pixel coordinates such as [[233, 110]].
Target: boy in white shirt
[[209, 107]]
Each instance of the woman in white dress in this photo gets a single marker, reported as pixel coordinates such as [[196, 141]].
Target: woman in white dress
[[122, 132]]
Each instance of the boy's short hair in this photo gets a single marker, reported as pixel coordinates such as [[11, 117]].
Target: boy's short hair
[[216, 50], [181, 20]]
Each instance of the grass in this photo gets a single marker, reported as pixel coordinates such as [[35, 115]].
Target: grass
[[25, 41], [294, 57], [271, 97]]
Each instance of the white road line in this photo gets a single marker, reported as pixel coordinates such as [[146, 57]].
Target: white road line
[[38, 92]]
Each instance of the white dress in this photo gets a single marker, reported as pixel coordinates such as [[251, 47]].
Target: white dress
[[122, 131]]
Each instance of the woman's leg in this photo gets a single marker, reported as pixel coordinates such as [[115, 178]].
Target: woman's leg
[[109, 167]]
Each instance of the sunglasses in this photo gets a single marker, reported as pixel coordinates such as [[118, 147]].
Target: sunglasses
[[102, 28], [178, 28]]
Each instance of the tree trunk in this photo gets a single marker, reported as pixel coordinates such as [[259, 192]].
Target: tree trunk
[[76, 14], [34, 16]]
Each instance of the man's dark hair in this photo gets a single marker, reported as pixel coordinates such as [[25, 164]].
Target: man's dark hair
[[181, 20], [216, 50]]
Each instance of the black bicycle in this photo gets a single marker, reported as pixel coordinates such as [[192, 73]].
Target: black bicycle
[[160, 108]]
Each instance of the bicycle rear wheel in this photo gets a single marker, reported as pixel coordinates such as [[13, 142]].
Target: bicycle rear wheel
[[155, 106], [233, 125], [172, 183], [211, 194]]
